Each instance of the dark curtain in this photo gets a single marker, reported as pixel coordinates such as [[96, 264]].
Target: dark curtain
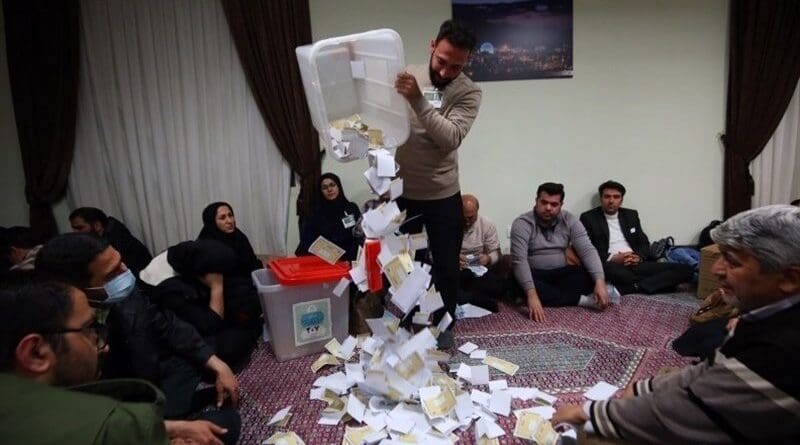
[[763, 72], [266, 32], [42, 46]]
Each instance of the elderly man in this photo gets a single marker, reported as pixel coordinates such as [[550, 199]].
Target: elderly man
[[146, 342], [540, 240], [749, 391], [617, 234], [480, 250]]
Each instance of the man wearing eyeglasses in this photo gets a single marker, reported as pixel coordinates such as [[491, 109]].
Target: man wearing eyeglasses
[[50, 337], [146, 342]]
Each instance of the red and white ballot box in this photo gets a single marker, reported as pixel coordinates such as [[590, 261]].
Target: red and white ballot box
[[301, 312]]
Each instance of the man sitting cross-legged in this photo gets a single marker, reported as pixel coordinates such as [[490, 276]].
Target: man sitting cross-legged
[[617, 234], [540, 239], [480, 251]]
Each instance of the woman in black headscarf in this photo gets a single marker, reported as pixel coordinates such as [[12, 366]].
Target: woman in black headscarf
[[334, 218], [219, 224], [241, 298]]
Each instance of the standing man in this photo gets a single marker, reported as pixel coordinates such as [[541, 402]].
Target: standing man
[[444, 103], [617, 234]]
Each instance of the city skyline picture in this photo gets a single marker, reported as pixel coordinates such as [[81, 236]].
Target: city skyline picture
[[518, 39]]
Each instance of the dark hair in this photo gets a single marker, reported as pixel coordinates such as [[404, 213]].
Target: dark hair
[[610, 184], [458, 34], [66, 258], [16, 236], [90, 214], [796, 202], [37, 307], [551, 188]]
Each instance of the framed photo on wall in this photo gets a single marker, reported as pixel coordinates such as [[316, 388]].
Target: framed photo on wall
[[518, 39]]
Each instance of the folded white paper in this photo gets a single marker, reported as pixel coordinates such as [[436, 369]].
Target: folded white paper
[[601, 391]]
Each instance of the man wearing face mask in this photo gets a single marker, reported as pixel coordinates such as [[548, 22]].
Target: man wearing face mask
[[444, 103], [145, 342]]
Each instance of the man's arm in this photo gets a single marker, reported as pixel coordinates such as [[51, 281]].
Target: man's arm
[[592, 232], [589, 259], [639, 241], [585, 250], [491, 245], [521, 232], [446, 132], [726, 402]]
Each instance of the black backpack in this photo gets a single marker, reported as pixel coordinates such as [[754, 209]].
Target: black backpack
[[660, 248], [705, 234]]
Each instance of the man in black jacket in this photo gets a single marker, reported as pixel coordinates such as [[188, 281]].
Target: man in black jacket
[[145, 341], [135, 255], [617, 234]]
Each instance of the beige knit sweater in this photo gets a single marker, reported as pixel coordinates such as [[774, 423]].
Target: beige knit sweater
[[429, 159]]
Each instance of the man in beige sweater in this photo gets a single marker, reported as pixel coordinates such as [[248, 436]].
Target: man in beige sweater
[[444, 103]]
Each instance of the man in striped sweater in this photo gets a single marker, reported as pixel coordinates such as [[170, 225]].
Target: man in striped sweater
[[749, 391]]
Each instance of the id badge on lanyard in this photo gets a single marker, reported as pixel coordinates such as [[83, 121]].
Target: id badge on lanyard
[[348, 220], [433, 96]]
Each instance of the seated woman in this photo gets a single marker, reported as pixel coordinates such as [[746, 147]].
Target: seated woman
[[188, 280], [241, 297], [333, 217]]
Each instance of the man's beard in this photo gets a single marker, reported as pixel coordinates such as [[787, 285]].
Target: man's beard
[[438, 81]]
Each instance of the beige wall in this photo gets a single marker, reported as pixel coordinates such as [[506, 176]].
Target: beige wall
[[645, 107]]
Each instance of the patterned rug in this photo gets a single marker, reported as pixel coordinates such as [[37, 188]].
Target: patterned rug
[[568, 353]]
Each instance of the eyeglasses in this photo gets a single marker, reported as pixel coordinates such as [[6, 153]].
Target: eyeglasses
[[328, 186], [99, 329]]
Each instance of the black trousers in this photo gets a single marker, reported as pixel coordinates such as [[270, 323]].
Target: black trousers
[[557, 287], [179, 380], [483, 291], [648, 277], [444, 222]]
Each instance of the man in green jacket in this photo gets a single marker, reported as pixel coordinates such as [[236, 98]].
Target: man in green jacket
[[49, 337]]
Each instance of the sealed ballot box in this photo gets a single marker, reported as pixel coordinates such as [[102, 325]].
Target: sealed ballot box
[[301, 312], [349, 86]]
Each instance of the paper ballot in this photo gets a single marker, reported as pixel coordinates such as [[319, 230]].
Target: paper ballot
[[326, 250], [280, 416], [601, 391]]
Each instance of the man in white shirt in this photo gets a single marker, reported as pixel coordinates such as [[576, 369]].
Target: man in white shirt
[[617, 234], [480, 251]]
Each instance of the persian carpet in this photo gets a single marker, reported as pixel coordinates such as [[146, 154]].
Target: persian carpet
[[570, 352]]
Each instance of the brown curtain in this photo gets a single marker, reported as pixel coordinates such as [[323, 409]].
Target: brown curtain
[[266, 33], [42, 46], [763, 72]]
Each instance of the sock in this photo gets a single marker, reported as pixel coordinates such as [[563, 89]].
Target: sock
[[613, 293], [587, 301]]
